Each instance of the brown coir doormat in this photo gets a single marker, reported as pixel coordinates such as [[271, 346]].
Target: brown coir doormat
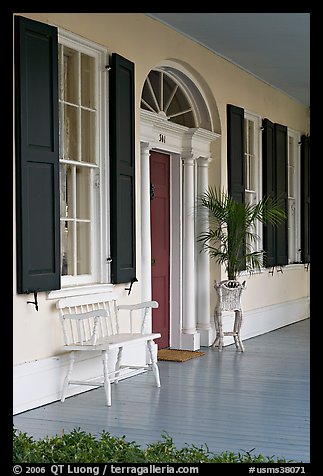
[[175, 355]]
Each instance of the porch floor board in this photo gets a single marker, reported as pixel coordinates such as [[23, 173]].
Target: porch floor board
[[258, 400]]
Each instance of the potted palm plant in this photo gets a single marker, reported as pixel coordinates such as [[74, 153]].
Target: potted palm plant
[[230, 239]]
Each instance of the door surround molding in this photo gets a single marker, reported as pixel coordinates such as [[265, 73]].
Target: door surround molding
[[184, 146]]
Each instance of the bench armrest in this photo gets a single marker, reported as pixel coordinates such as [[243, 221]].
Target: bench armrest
[[142, 305]]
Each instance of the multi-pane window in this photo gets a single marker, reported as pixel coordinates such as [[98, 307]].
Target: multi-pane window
[[250, 161], [293, 165], [80, 168], [163, 95], [252, 172]]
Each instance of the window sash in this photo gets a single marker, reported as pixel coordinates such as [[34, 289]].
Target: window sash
[[88, 105], [253, 166], [294, 217]]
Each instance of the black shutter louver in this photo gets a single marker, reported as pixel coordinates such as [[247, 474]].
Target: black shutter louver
[[269, 188], [281, 193], [37, 156], [122, 156], [305, 199], [235, 156], [275, 184], [235, 152]]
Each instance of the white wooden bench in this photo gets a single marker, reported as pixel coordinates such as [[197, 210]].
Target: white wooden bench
[[94, 323]]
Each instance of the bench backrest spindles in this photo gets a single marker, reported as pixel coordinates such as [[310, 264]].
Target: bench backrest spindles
[[80, 330]]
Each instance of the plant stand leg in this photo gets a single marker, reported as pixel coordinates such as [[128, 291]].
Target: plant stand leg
[[153, 362], [68, 376], [218, 342], [237, 327], [107, 383], [217, 332]]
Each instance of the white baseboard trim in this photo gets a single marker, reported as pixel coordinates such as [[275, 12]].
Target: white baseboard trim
[[266, 319], [40, 382]]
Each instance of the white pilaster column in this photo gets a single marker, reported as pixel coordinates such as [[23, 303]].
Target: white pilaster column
[[145, 226], [203, 260], [190, 337]]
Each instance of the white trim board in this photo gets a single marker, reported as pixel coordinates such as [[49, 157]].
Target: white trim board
[[39, 382], [266, 319]]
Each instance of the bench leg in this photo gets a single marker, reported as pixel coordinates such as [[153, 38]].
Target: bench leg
[[154, 364], [107, 383], [68, 376], [117, 367]]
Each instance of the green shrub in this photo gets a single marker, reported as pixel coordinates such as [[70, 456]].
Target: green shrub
[[80, 447]]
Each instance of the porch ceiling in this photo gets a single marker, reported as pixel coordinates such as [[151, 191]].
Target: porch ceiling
[[275, 47]]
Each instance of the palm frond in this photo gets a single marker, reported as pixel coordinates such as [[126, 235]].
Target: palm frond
[[231, 233]]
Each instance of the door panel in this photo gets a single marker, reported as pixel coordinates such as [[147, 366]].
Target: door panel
[[160, 244]]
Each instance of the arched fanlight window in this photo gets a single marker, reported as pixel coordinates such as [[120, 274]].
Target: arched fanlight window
[[165, 96]]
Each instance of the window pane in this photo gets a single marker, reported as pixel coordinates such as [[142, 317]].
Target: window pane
[[251, 137], [83, 203], [83, 248], [60, 73], [67, 257], [291, 168], [248, 164], [291, 182], [249, 150], [154, 77], [180, 104], [66, 191], [291, 230], [87, 81], [71, 82], [88, 136], [70, 133], [246, 136]]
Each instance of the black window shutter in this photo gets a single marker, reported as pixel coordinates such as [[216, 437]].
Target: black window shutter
[[235, 155], [269, 188], [235, 152], [122, 157], [281, 193], [275, 185], [37, 159], [305, 199]]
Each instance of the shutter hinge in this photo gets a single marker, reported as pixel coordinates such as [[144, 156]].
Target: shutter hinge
[[107, 67], [97, 183]]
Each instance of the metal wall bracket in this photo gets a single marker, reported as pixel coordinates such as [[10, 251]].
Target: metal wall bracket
[[35, 302], [134, 280]]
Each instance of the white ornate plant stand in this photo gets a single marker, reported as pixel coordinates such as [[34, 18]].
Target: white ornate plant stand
[[228, 299]]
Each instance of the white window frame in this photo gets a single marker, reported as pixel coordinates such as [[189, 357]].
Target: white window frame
[[294, 232], [100, 246], [255, 195]]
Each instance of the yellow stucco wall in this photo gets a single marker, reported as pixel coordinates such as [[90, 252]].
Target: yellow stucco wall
[[147, 43]]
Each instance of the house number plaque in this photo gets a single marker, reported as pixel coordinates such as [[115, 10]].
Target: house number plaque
[[162, 138]]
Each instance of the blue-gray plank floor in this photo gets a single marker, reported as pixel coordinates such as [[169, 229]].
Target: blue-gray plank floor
[[256, 401]]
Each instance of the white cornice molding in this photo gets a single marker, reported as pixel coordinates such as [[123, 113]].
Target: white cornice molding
[[165, 135]]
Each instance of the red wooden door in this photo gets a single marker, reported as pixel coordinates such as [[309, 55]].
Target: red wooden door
[[160, 232]]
